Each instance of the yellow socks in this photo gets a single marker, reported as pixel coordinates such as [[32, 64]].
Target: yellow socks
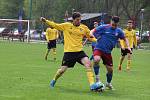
[[54, 53], [128, 64], [90, 76], [58, 74]]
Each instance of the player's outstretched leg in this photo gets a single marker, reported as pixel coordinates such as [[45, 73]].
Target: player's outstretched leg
[[58, 74]]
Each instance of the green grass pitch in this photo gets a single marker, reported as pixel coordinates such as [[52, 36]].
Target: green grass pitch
[[25, 75]]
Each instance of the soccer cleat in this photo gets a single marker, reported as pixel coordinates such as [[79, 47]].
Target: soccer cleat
[[52, 83], [119, 67], [109, 85]]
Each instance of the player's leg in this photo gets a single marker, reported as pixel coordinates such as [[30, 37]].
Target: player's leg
[[120, 63], [109, 76], [97, 59], [87, 64], [48, 50], [53, 47], [83, 59], [65, 64], [54, 53], [58, 74], [46, 54], [96, 68], [129, 61], [123, 54], [107, 60]]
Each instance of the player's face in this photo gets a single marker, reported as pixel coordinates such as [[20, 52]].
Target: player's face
[[114, 25], [77, 21], [130, 25]]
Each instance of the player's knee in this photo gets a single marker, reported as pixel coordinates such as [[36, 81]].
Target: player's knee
[[96, 59], [88, 64], [62, 70]]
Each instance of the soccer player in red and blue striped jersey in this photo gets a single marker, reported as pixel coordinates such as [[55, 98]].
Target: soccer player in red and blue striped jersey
[[109, 35]]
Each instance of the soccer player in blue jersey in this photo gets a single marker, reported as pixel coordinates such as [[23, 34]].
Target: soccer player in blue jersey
[[109, 35]]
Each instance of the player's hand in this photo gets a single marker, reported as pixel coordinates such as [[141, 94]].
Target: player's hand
[[43, 19], [130, 50]]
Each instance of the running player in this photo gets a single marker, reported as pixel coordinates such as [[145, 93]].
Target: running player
[[51, 36], [130, 34]]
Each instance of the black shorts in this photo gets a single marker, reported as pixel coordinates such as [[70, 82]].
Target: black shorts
[[125, 52], [51, 44], [70, 58]]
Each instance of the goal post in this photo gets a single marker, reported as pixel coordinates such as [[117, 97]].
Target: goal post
[[4, 22]]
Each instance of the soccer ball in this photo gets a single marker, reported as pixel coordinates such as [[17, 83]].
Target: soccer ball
[[101, 85]]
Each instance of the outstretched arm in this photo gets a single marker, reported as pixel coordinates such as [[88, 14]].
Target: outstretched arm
[[53, 24]]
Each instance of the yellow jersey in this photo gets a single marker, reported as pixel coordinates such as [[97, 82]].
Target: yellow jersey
[[73, 35], [51, 34], [131, 36]]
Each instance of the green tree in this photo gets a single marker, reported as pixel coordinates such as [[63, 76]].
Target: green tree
[[10, 8]]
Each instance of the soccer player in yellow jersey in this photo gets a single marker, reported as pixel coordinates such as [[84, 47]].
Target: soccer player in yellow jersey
[[73, 35], [51, 36], [131, 36]]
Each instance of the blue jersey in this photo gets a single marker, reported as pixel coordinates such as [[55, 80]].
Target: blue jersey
[[108, 37]]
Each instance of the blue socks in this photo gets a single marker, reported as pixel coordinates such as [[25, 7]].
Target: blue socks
[[96, 69], [109, 77]]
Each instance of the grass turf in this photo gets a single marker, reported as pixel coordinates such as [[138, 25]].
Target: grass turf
[[25, 75]]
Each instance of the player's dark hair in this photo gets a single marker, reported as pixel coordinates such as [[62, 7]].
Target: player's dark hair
[[76, 15], [115, 19], [130, 21]]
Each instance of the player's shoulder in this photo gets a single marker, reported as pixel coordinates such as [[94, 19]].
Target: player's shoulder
[[83, 25]]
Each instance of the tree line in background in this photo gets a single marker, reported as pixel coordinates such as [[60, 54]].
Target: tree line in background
[[55, 9]]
